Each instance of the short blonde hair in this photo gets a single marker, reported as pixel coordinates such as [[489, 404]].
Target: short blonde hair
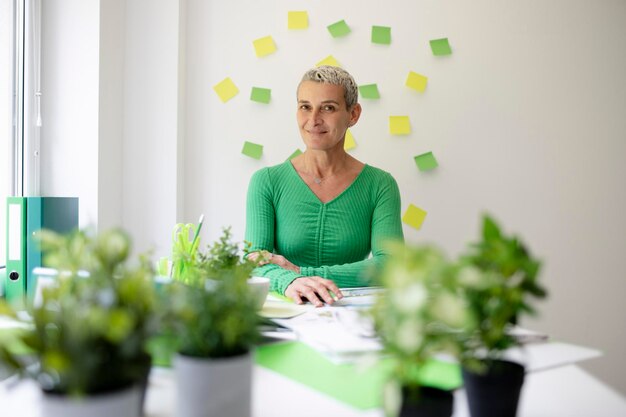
[[328, 74]]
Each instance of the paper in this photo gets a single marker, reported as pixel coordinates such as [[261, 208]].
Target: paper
[[369, 91], [399, 125], [278, 309], [350, 143], [329, 60], [416, 81], [381, 35], [414, 216], [426, 161], [226, 89], [294, 154], [297, 20], [264, 46], [253, 150], [261, 95], [440, 47], [339, 29]]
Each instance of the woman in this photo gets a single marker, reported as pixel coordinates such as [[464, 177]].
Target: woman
[[321, 214]]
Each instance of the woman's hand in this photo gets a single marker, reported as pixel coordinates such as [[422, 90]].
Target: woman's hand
[[315, 289], [265, 257]]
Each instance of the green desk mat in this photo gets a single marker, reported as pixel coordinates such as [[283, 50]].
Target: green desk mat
[[359, 386]]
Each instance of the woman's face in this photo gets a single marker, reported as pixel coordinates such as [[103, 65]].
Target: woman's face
[[322, 115]]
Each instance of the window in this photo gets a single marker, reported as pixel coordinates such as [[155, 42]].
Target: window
[[7, 42]]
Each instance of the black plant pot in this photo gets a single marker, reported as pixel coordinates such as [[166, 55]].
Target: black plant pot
[[494, 393], [426, 402]]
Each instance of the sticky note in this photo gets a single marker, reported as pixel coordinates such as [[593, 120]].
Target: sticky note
[[294, 154], [381, 35], [338, 29], [264, 46], [261, 95], [414, 216], [416, 81], [329, 60], [399, 125], [440, 47], [426, 161], [226, 89], [297, 20], [253, 150], [349, 143], [369, 91]]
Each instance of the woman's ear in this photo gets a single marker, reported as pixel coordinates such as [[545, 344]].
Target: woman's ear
[[355, 113]]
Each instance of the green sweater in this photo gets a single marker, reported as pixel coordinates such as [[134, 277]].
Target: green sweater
[[331, 240]]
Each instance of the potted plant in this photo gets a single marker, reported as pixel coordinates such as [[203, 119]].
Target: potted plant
[[499, 282], [417, 318], [89, 333], [215, 325]]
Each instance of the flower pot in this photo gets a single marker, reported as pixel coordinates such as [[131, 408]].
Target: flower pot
[[496, 392], [208, 387], [427, 402], [123, 403]]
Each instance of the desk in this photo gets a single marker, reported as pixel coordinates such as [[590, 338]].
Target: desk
[[564, 391]]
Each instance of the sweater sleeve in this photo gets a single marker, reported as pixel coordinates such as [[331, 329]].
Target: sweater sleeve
[[260, 229], [386, 226]]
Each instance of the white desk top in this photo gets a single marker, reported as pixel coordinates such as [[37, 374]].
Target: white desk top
[[564, 391]]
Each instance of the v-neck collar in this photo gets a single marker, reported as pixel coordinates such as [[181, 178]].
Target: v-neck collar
[[344, 191]]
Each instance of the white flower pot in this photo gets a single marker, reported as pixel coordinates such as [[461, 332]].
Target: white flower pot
[[124, 403], [213, 387]]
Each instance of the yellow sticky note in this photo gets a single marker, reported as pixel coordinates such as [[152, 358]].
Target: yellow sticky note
[[329, 60], [414, 216], [349, 143], [297, 20], [264, 46], [399, 125], [416, 81], [226, 89]]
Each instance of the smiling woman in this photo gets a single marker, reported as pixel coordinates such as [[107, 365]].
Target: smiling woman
[[323, 213]]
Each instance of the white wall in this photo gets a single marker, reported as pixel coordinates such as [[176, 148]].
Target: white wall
[[526, 119]]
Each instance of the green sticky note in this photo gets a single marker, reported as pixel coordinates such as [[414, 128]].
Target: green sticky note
[[369, 91], [426, 161], [361, 387], [414, 216], [253, 150], [293, 155], [440, 47], [261, 95], [339, 29], [399, 125], [381, 35]]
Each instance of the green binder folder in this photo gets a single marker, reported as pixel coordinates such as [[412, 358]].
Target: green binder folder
[[15, 281], [25, 217]]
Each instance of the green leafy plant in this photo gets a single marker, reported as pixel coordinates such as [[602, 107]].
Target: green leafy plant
[[213, 313], [419, 315], [89, 333], [500, 281]]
